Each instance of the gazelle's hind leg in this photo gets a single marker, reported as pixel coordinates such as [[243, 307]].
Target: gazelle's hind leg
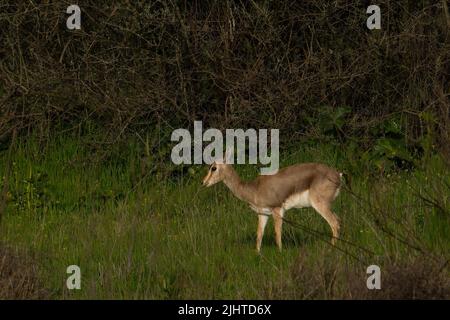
[[323, 208], [278, 224], [262, 221]]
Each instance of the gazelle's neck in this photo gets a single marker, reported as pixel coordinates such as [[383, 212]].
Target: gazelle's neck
[[239, 188]]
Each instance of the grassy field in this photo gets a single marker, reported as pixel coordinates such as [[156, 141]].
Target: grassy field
[[137, 234]]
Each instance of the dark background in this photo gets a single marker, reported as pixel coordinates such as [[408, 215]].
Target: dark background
[[310, 68]]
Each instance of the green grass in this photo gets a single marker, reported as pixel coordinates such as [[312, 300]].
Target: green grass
[[140, 236]]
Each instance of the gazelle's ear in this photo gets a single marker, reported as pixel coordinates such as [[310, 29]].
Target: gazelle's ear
[[229, 156]]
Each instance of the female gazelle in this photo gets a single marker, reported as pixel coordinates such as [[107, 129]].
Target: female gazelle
[[302, 185]]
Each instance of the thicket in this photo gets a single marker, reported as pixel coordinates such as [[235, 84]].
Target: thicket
[[310, 68]]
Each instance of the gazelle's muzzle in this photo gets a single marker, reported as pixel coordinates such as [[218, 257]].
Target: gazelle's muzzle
[[206, 179]]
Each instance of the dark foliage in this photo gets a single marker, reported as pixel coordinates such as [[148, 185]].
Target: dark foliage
[[134, 65]]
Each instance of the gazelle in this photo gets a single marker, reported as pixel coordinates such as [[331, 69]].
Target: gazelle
[[302, 185]]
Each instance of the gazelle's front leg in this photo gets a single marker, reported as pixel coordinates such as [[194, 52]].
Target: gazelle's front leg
[[262, 221], [278, 224]]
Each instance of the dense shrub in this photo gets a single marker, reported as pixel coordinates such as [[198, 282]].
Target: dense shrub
[[138, 64]]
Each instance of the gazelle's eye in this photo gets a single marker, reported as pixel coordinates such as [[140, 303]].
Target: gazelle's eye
[[213, 169]]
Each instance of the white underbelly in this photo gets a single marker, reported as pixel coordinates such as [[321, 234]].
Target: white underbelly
[[297, 200]]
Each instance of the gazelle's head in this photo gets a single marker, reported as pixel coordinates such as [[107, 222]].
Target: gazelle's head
[[219, 169], [216, 173]]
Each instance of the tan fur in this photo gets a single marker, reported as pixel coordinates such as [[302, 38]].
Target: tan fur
[[303, 185]]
